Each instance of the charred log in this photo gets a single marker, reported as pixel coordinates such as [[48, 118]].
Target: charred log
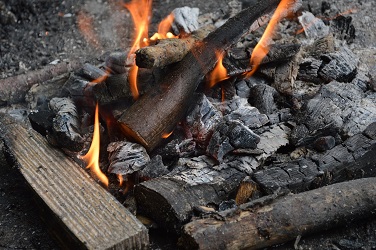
[[254, 227]]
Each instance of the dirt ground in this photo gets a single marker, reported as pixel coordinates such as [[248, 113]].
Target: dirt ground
[[35, 33]]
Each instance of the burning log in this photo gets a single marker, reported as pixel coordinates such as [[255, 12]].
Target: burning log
[[158, 111], [13, 89], [254, 226], [167, 51], [79, 212]]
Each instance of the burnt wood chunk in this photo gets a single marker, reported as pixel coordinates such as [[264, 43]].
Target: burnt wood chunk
[[285, 218], [355, 158], [170, 200], [158, 111], [262, 97], [80, 213]]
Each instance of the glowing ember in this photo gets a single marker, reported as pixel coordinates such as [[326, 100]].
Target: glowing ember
[[219, 73], [262, 48], [121, 179], [85, 24], [92, 156]]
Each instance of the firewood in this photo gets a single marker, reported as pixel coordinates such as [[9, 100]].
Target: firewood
[[158, 111], [79, 212], [167, 51], [13, 89], [255, 227]]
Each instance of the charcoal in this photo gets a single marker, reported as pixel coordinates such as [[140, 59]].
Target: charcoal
[[341, 107], [272, 138], [370, 131], [230, 135], [282, 115], [262, 97], [244, 163], [343, 28], [340, 66], [324, 143], [242, 89], [185, 20], [240, 109], [177, 148], [91, 72], [308, 70], [153, 169], [66, 125], [201, 120], [42, 121], [118, 62], [225, 205], [126, 157], [285, 75], [322, 45], [313, 26]]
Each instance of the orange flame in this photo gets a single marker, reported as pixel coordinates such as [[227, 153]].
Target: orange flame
[[262, 47], [164, 28], [219, 73], [85, 24], [121, 179], [92, 156], [166, 135], [141, 13]]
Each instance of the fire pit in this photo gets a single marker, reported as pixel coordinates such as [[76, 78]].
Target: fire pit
[[224, 129]]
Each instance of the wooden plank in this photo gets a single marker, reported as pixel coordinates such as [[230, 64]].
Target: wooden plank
[[81, 214]]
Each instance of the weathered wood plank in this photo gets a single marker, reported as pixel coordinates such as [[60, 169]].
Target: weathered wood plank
[[83, 214]]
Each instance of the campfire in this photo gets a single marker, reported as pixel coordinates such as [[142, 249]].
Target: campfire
[[240, 128]]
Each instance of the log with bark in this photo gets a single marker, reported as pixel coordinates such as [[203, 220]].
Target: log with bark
[[158, 111], [13, 89], [256, 225]]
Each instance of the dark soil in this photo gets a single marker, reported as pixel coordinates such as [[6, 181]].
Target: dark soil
[[35, 33]]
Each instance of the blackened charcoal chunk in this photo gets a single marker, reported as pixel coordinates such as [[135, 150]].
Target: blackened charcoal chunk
[[91, 72], [370, 131], [201, 121], [41, 121], [153, 169], [340, 66], [241, 136], [177, 148], [65, 125], [239, 109], [126, 157], [229, 136], [262, 97], [225, 205], [343, 29], [324, 143]]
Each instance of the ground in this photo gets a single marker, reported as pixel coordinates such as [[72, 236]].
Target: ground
[[35, 33]]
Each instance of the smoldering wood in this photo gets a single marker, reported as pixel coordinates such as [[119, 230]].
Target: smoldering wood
[[126, 157], [352, 159], [79, 212], [169, 200], [262, 97], [337, 108], [161, 108], [177, 148], [119, 61], [13, 89], [168, 51], [263, 226], [201, 120], [66, 125], [230, 135], [153, 169], [340, 65], [92, 72]]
